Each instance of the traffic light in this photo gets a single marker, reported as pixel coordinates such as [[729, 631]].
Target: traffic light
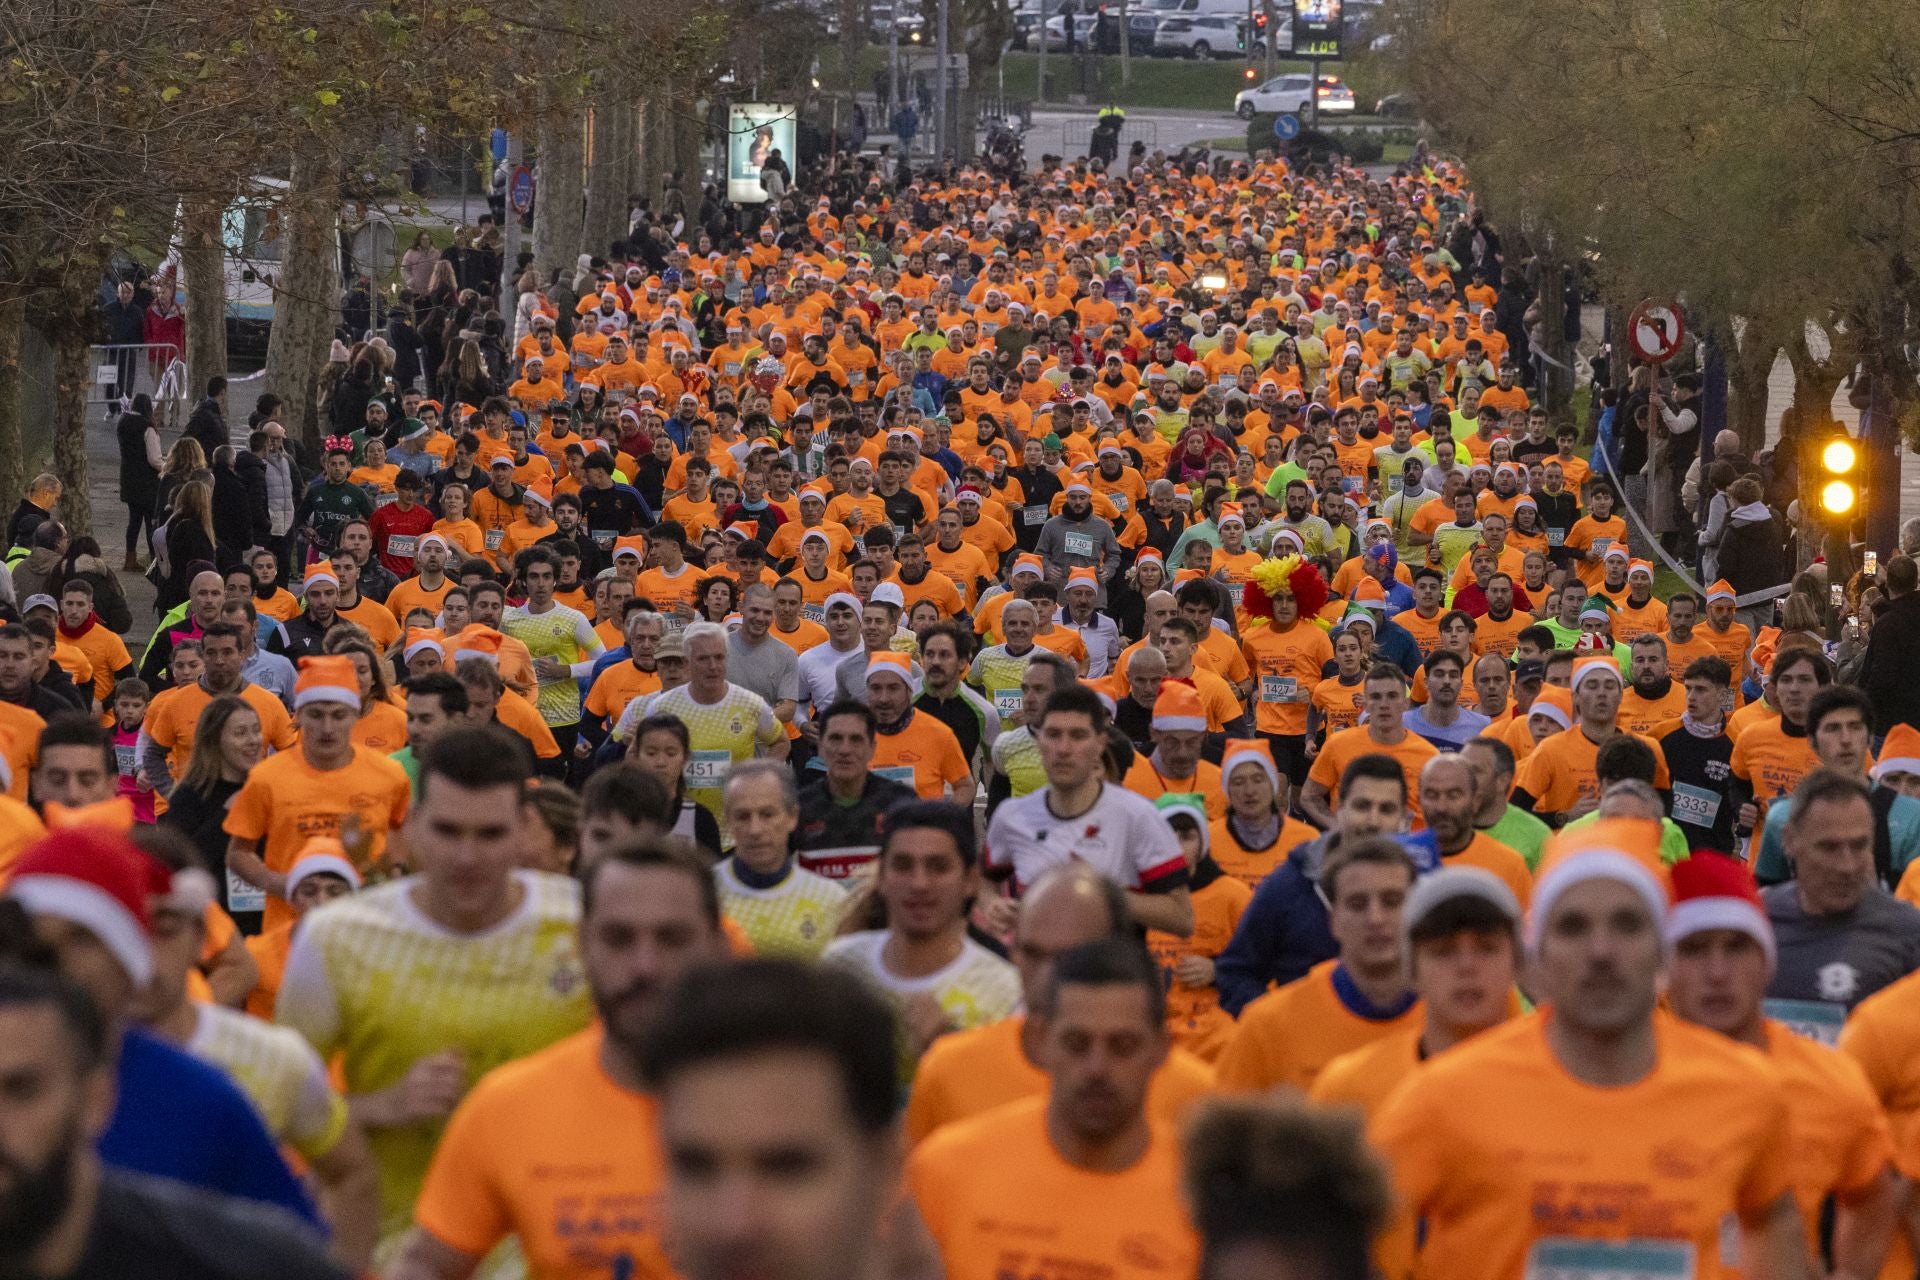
[[1248, 74], [1838, 486]]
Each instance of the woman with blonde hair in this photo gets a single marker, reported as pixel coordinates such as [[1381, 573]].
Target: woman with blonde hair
[[185, 458]]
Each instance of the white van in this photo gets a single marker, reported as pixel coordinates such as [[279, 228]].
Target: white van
[[250, 257]]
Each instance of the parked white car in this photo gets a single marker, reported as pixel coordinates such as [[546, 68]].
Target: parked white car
[[1199, 36], [1288, 94]]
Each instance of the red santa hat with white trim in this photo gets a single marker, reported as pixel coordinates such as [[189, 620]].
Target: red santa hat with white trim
[[93, 877], [1713, 891]]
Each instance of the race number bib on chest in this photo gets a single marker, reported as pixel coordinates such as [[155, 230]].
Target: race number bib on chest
[[402, 545], [708, 768], [494, 538], [900, 773], [1080, 544], [1561, 1258], [242, 896], [1033, 515], [1814, 1019], [1007, 703], [1279, 689], [1695, 806]]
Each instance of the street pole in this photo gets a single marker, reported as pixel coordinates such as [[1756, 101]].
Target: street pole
[[1313, 93], [1126, 43], [943, 109], [1040, 82], [1273, 34]]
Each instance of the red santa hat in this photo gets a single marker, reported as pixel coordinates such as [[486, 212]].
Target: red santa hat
[[1713, 891], [93, 877]]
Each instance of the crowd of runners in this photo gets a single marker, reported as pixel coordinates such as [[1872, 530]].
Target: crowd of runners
[[1080, 730]]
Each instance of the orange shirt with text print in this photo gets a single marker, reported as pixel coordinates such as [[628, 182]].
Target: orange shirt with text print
[[1517, 1168], [1000, 1201]]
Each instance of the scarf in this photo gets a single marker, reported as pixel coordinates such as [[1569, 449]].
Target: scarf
[[75, 633]]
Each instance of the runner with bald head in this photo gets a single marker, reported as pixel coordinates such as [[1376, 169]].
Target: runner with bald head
[[206, 593], [968, 1072]]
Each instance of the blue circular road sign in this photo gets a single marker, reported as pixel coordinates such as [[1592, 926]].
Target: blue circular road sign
[[1287, 126]]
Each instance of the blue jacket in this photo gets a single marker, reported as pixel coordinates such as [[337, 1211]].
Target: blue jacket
[[1283, 932], [1397, 645]]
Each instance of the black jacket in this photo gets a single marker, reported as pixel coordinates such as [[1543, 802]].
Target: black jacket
[[139, 482], [252, 471], [232, 512], [208, 425], [1752, 555], [299, 637], [1887, 675]]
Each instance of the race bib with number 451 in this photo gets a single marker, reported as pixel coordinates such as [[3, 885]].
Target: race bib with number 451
[[708, 769]]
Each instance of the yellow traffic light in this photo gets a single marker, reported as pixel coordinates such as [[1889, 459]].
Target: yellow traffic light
[[1247, 73], [1837, 497], [1839, 457]]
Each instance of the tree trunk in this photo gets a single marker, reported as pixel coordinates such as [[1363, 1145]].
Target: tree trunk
[[13, 460], [1749, 367], [306, 297], [1814, 384], [1556, 382], [603, 223], [69, 330], [557, 208], [206, 315], [625, 166]]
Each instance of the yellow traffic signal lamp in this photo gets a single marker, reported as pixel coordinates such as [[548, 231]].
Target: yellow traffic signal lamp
[[1248, 73], [1838, 484], [1839, 457]]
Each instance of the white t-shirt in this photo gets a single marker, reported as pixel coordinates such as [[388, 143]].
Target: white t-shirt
[[1122, 836], [977, 988]]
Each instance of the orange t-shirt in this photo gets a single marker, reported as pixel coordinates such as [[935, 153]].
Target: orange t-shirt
[[1659, 1162], [1503, 860], [1053, 1218], [1250, 866], [1286, 665], [1289, 1035], [968, 1072], [1194, 1016], [409, 595], [925, 756], [618, 685], [551, 1150], [1559, 773], [1145, 779], [1343, 748], [174, 713], [382, 729], [286, 801], [20, 826], [1772, 760]]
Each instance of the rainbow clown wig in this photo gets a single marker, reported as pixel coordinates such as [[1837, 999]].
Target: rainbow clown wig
[[1294, 576]]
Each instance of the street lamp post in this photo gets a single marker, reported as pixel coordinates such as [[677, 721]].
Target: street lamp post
[[943, 108]]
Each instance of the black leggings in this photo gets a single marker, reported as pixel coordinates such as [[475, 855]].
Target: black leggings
[[139, 522]]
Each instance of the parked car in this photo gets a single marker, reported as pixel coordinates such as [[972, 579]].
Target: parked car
[[1200, 36], [1082, 30], [1288, 94], [1397, 106]]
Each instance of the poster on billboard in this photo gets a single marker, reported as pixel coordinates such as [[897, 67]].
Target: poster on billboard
[[1316, 29], [755, 129]]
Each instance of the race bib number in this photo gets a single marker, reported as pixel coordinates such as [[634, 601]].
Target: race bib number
[[1353, 484], [1395, 482], [733, 368], [814, 612], [1695, 806], [125, 759], [384, 500], [857, 377], [1236, 591], [1033, 515], [604, 539], [1726, 701], [1600, 546], [1556, 537], [1279, 689], [494, 538], [402, 545], [900, 773], [1227, 379], [1007, 702], [1119, 501], [242, 896], [708, 769], [1814, 1019], [1080, 544], [989, 328], [1560, 1258]]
